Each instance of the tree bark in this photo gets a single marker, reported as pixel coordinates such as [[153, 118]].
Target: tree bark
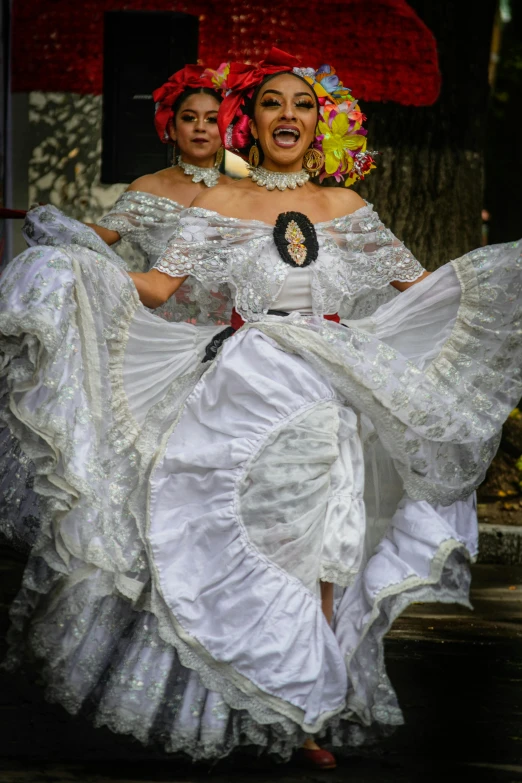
[[429, 183], [504, 147]]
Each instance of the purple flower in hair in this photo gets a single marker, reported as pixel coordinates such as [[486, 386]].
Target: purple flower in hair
[[329, 81]]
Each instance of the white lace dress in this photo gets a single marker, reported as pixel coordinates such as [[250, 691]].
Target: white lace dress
[[145, 223], [191, 508]]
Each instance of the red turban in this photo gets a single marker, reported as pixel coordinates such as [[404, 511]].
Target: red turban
[[191, 76]]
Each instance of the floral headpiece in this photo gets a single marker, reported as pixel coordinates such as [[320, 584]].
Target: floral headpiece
[[191, 76], [339, 135]]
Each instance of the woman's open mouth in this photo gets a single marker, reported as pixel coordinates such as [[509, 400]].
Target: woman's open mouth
[[200, 141], [286, 136]]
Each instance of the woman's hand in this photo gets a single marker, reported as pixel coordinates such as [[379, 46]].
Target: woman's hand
[[154, 287]]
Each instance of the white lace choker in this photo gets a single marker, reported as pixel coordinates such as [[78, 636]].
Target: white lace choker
[[277, 179], [210, 176]]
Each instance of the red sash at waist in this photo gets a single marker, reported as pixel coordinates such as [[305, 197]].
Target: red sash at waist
[[236, 322]]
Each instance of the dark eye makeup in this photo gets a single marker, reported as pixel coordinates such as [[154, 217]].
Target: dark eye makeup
[[268, 102], [193, 118]]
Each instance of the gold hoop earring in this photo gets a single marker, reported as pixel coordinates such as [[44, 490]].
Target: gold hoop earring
[[253, 155], [313, 161], [219, 157], [174, 154]]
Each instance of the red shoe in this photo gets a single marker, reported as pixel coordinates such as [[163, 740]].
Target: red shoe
[[320, 759]]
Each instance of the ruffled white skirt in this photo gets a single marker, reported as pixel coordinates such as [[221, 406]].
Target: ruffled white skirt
[[190, 510]]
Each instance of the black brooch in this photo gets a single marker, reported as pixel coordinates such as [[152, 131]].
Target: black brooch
[[295, 238]]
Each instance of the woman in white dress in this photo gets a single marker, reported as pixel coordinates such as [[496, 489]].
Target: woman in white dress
[[147, 213], [146, 216], [198, 513], [186, 118]]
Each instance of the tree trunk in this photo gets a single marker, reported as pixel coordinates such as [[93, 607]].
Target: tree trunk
[[429, 184], [504, 144], [428, 187]]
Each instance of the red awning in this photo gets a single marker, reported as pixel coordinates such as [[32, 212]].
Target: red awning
[[380, 48]]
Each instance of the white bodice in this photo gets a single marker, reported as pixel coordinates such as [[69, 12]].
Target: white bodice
[[357, 255], [296, 292]]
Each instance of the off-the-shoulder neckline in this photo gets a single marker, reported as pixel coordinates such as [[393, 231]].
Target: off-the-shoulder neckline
[[262, 223], [182, 208], [153, 195]]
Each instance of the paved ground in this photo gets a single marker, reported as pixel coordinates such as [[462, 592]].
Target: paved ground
[[458, 675], [359, 771]]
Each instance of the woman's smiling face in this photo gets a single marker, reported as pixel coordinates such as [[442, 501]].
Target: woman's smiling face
[[284, 122]]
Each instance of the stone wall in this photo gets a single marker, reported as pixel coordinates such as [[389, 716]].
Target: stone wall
[[65, 160]]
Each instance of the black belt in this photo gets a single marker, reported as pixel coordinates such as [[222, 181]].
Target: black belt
[[217, 341]]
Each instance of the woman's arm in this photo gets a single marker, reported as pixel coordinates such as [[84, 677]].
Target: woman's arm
[[108, 236], [377, 242], [145, 184], [154, 287], [403, 286]]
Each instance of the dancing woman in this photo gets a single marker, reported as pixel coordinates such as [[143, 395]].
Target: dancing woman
[[225, 543], [186, 117], [147, 213]]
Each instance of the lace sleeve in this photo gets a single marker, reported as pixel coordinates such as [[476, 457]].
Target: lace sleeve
[[135, 213], [374, 256], [204, 246]]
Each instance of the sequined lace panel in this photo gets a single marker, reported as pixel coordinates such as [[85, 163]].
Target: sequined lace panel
[[145, 220]]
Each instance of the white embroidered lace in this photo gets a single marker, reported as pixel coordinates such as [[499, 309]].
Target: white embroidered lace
[[356, 253]]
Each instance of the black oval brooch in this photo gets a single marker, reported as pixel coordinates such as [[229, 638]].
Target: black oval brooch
[[295, 239]]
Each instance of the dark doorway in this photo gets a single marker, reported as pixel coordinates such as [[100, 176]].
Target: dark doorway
[[5, 173], [141, 50]]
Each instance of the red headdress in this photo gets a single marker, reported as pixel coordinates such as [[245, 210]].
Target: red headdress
[[241, 82], [340, 137], [191, 76]]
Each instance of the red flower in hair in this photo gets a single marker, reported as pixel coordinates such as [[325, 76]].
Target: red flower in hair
[[191, 76]]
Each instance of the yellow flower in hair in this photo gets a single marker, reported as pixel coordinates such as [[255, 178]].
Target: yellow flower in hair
[[219, 75], [320, 91], [337, 139]]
